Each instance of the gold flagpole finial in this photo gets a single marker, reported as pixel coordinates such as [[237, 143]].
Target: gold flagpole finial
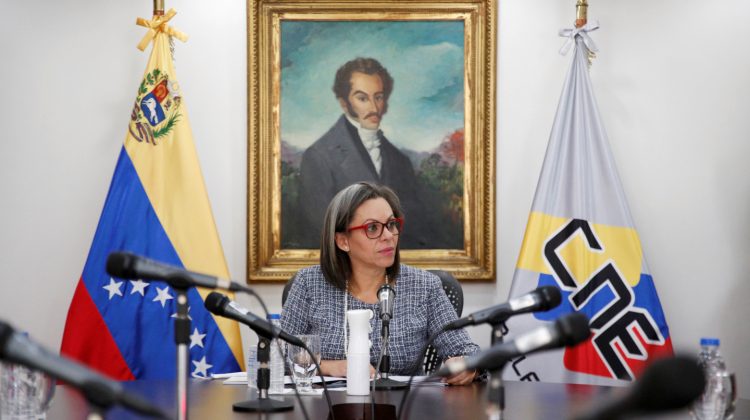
[[582, 7], [158, 7]]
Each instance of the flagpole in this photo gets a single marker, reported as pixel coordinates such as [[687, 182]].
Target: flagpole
[[582, 7], [158, 7], [496, 388]]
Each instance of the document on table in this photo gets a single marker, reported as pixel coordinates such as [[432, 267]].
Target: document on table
[[240, 378], [419, 380]]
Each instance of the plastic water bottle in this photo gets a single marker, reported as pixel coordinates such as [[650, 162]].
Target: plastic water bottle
[[252, 366], [358, 353], [277, 360], [715, 399]]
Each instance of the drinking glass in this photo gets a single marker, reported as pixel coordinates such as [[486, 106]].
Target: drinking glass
[[24, 393], [303, 365], [732, 403]]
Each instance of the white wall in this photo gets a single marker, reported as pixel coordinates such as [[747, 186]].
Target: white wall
[[671, 80]]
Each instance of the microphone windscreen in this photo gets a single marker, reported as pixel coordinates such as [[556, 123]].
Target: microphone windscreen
[[574, 328], [386, 291], [551, 297], [669, 384], [120, 264], [216, 303]]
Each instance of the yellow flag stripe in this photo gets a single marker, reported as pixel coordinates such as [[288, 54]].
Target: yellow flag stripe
[[621, 246]]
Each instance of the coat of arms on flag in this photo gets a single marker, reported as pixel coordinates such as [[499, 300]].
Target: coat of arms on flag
[[158, 105], [157, 206], [580, 238]]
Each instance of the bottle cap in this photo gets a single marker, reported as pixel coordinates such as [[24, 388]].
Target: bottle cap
[[709, 341], [273, 316]]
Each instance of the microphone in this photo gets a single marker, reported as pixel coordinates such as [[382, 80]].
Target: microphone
[[126, 265], [541, 299], [386, 297], [567, 331], [667, 384], [98, 390], [218, 304]]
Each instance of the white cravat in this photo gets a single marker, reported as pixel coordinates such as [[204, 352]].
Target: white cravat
[[371, 141]]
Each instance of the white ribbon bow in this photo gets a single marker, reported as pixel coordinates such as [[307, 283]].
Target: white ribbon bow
[[583, 31]]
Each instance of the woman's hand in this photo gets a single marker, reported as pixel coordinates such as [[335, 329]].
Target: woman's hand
[[461, 378], [337, 368]]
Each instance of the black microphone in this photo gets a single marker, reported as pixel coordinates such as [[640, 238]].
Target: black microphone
[[541, 299], [218, 304], [567, 331], [386, 297], [667, 384], [98, 390], [126, 265]]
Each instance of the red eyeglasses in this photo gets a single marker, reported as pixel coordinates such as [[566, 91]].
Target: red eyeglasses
[[374, 230]]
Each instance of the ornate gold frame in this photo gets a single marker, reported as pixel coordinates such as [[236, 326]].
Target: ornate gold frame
[[265, 259]]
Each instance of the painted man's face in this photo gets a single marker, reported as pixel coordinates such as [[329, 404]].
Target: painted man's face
[[366, 102]]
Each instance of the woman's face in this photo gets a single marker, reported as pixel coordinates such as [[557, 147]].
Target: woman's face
[[364, 252]]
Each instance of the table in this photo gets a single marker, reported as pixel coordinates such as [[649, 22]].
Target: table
[[213, 401]]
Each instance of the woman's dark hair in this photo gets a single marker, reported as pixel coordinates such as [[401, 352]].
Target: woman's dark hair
[[336, 265]]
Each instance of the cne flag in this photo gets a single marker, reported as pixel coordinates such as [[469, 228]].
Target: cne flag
[[157, 206], [580, 237]]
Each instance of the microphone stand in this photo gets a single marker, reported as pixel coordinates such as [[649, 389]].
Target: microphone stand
[[263, 403], [95, 413], [384, 382], [182, 339], [496, 390]]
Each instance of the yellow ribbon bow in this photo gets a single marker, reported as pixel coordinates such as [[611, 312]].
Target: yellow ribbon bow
[[159, 24]]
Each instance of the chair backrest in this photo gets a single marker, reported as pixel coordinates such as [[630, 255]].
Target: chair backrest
[[287, 287], [455, 294], [452, 289]]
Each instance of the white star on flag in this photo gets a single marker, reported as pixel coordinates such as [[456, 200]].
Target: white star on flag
[[139, 286], [196, 339], [113, 288], [201, 367], [162, 296]]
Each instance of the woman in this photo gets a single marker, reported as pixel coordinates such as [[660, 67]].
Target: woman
[[358, 254]]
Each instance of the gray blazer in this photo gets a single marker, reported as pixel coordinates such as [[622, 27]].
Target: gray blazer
[[315, 306]]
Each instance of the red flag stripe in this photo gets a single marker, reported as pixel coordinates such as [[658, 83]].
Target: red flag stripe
[[100, 353]]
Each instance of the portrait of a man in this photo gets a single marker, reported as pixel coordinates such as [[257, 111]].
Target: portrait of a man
[[356, 146], [355, 149]]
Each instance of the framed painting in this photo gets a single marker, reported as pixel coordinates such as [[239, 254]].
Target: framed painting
[[392, 92]]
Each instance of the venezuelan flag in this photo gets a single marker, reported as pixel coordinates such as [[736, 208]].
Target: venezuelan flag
[[580, 237], [157, 206]]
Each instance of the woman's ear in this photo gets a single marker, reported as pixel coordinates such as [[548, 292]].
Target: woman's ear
[[342, 242]]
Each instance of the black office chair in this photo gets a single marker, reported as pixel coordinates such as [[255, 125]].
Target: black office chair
[[455, 294], [287, 287], [452, 289]]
